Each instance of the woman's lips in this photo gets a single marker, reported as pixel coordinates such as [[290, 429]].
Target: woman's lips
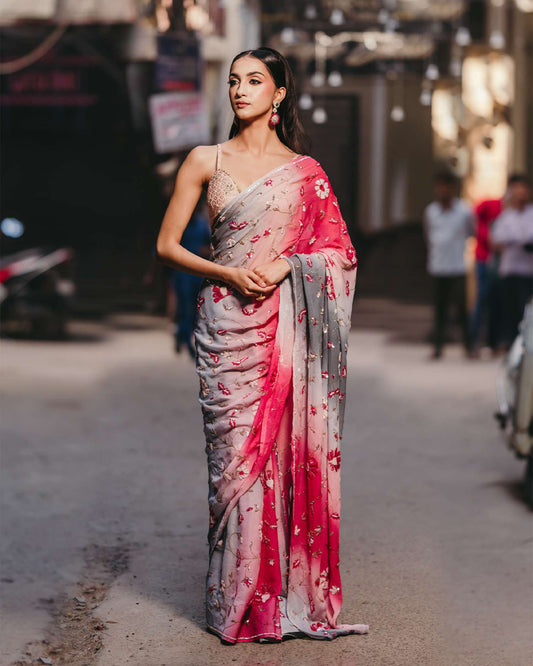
[[241, 105]]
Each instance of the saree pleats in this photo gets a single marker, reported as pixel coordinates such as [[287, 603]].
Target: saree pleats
[[272, 389]]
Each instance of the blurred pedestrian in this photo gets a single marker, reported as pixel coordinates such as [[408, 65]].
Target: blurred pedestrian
[[487, 307], [512, 235], [196, 238], [448, 222]]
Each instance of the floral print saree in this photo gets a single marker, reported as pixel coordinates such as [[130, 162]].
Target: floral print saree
[[272, 390]]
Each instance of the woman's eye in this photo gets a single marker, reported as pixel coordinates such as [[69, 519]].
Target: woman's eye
[[255, 81], [232, 82]]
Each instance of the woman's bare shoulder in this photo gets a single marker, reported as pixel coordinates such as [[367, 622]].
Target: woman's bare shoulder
[[201, 161]]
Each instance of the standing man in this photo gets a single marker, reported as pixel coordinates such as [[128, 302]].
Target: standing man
[[512, 235], [448, 222]]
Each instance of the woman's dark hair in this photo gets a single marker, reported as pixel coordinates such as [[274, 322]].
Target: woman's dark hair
[[289, 129]]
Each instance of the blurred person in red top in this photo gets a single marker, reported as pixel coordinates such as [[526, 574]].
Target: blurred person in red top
[[487, 300]]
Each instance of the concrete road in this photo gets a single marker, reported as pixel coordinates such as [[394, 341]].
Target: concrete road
[[105, 517]]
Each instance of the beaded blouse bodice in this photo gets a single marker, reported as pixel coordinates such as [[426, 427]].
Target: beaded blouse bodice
[[220, 190]]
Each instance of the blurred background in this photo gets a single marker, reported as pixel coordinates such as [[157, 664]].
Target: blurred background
[[104, 482], [101, 101]]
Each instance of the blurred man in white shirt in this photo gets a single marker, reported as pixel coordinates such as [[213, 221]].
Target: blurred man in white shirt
[[448, 222], [512, 236]]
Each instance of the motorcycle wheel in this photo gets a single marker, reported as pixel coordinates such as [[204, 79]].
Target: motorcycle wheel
[[528, 481]]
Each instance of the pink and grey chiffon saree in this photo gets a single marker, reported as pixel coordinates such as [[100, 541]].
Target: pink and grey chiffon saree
[[272, 389]]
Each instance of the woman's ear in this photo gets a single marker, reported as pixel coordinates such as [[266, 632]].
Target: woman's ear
[[280, 94]]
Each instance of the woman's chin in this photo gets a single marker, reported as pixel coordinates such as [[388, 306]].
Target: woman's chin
[[248, 116]]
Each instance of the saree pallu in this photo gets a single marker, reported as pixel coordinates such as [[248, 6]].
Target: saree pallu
[[272, 387]]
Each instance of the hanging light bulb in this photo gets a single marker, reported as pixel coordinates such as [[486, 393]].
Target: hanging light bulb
[[391, 24], [383, 15], [310, 12], [370, 42], [305, 102], [497, 40], [425, 97], [335, 79], [336, 17], [397, 114], [320, 116], [288, 36], [456, 67], [432, 72], [463, 36], [318, 79]]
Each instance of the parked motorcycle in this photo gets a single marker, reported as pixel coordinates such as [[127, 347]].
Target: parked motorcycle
[[515, 398], [36, 288]]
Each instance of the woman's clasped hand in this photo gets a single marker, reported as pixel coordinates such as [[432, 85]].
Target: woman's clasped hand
[[262, 279]]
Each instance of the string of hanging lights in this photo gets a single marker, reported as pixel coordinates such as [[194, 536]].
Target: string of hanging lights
[[335, 37]]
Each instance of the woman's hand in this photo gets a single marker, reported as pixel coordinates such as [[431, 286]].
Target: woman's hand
[[248, 282], [273, 272]]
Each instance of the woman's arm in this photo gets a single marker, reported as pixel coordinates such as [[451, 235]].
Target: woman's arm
[[193, 173]]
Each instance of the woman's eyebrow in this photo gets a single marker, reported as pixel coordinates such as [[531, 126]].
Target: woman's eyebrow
[[236, 76]]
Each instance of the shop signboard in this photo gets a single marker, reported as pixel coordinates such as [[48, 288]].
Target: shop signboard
[[178, 64], [179, 121]]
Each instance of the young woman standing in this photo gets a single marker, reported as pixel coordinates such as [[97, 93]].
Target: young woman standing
[[271, 340]]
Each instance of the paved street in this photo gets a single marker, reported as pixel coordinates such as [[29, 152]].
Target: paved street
[[104, 498]]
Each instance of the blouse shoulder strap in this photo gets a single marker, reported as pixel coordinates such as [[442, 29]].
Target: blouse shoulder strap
[[217, 165]]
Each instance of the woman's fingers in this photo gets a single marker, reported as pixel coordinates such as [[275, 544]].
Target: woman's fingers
[[259, 284], [258, 278]]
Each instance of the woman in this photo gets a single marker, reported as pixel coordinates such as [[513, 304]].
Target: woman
[[271, 341]]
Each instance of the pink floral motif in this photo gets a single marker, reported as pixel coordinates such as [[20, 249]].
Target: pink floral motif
[[322, 188], [224, 389], [237, 225], [317, 626], [220, 292], [334, 458]]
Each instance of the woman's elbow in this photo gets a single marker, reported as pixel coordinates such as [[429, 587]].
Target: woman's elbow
[[161, 251]]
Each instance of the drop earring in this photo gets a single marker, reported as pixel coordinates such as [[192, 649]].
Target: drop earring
[[274, 118]]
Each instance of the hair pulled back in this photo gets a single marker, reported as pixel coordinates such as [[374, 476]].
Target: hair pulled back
[[290, 130]]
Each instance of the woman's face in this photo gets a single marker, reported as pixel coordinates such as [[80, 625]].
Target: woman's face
[[252, 90]]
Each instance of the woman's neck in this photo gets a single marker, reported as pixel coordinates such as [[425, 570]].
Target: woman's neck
[[259, 140]]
